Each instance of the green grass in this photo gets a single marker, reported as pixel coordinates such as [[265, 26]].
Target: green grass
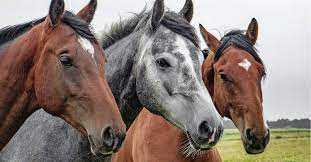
[[286, 145]]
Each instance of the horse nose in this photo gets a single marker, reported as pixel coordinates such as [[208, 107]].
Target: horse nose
[[119, 140], [250, 135], [108, 137], [209, 134], [205, 131], [266, 138], [112, 140]]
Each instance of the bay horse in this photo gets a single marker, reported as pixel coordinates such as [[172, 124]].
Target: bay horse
[[232, 72], [153, 61], [56, 63]]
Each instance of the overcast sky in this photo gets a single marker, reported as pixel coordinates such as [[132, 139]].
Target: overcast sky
[[284, 38]]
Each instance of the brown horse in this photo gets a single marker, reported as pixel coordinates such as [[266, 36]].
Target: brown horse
[[56, 63], [232, 73]]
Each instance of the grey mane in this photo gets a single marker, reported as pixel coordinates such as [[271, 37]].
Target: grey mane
[[171, 20], [121, 29]]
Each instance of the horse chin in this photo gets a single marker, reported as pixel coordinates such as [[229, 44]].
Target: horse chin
[[189, 148], [98, 152], [251, 148]]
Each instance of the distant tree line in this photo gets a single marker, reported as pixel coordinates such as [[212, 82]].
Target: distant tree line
[[281, 123], [286, 123]]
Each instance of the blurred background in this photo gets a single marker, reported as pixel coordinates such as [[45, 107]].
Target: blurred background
[[284, 44]]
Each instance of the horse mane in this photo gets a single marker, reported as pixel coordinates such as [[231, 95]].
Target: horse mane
[[170, 20], [9, 33], [82, 28], [121, 29], [238, 39]]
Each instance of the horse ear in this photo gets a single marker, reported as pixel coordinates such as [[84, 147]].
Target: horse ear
[[56, 11], [187, 10], [252, 31], [212, 42], [87, 13], [157, 14]]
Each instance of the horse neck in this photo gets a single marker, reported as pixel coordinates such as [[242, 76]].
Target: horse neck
[[17, 99], [120, 74]]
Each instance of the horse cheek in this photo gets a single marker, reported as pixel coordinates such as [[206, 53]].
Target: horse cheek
[[48, 86]]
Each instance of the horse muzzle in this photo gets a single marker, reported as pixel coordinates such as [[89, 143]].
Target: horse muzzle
[[109, 143], [254, 144], [206, 136]]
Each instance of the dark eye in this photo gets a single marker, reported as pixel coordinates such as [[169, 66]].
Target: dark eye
[[224, 77], [205, 53], [163, 63], [65, 60]]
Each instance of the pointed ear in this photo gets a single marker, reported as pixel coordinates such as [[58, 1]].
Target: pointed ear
[[252, 31], [211, 41], [187, 10], [56, 11], [157, 14], [87, 13]]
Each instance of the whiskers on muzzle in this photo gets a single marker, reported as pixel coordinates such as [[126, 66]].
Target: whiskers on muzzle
[[189, 150]]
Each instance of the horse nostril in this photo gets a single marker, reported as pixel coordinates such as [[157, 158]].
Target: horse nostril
[[249, 134], [205, 131], [266, 138], [108, 137], [220, 131], [120, 139]]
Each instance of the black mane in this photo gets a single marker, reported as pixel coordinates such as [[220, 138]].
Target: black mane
[[9, 33], [82, 28], [171, 20], [238, 39]]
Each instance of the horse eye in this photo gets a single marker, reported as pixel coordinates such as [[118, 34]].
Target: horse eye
[[205, 53], [163, 63], [65, 60], [224, 77]]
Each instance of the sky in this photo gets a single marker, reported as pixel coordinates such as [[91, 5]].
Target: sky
[[284, 38]]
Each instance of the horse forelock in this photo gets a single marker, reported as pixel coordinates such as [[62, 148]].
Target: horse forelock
[[237, 39]]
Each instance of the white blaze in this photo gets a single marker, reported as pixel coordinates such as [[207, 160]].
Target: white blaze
[[182, 48], [87, 46], [245, 64]]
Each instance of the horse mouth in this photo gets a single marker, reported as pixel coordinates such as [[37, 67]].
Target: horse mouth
[[255, 145], [192, 142], [190, 148], [196, 145], [257, 149], [98, 151]]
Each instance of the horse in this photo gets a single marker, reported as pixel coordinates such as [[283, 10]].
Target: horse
[[232, 72], [56, 63], [152, 61]]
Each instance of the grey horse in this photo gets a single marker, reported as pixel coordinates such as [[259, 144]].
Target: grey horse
[[152, 62]]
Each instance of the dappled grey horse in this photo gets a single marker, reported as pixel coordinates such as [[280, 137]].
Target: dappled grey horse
[[153, 62]]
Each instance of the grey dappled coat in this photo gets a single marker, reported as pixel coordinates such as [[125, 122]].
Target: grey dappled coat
[[41, 134]]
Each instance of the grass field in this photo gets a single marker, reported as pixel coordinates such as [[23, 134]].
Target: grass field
[[286, 145]]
